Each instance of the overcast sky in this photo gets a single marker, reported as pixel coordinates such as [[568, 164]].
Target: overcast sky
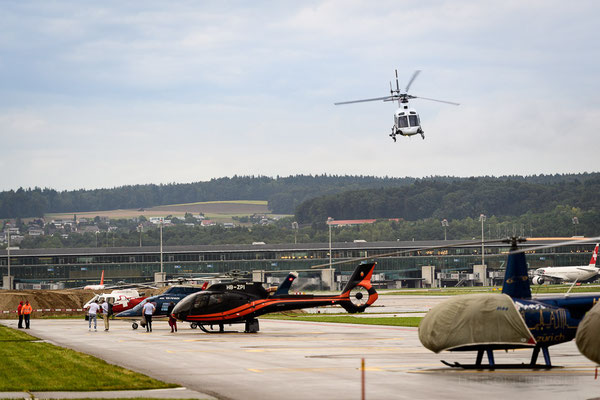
[[111, 93]]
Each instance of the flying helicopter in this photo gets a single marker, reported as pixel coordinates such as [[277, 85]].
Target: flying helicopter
[[406, 118], [243, 302]]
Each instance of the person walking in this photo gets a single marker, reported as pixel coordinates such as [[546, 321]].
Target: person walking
[[92, 314], [172, 320], [105, 314], [26, 310], [20, 314], [148, 310]]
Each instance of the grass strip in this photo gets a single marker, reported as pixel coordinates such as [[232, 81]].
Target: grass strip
[[30, 365], [458, 291], [348, 319]]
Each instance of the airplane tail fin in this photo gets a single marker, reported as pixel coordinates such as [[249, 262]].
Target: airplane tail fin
[[284, 287], [516, 279], [358, 290], [102, 278], [594, 257]]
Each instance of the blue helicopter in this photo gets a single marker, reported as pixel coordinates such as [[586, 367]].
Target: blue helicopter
[[488, 322], [173, 294]]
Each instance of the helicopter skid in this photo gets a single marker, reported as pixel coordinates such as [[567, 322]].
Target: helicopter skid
[[497, 366]]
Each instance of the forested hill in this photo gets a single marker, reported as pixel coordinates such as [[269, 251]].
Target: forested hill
[[458, 199], [283, 194], [408, 198]]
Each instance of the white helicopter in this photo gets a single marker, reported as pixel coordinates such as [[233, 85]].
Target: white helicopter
[[406, 119]]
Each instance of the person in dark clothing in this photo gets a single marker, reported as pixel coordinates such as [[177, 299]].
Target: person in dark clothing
[[20, 314], [172, 320]]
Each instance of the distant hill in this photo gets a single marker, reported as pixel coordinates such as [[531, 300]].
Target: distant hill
[[455, 198], [406, 196], [282, 194]]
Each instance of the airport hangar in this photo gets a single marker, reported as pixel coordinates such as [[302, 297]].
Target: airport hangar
[[456, 264]]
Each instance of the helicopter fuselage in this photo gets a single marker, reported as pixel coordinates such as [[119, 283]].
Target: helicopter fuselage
[[406, 122]]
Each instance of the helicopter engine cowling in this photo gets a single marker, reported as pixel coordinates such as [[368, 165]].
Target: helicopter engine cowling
[[537, 280]]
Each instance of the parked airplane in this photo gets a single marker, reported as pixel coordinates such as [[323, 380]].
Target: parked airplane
[[243, 302], [96, 287], [567, 274]]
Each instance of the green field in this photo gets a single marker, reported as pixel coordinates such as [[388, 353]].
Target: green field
[[349, 319], [29, 364], [453, 291]]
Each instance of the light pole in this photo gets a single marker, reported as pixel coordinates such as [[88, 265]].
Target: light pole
[[8, 260], [140, 230], [482, 218], [445, 225], [161, 247], [329, 221], [575, 221], [97, 232], [295, 228]]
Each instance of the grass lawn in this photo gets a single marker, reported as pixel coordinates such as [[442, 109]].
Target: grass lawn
[[349, 319], [558, 289], [31, 365]]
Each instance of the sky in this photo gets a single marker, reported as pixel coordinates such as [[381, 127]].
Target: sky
[[112, 93]]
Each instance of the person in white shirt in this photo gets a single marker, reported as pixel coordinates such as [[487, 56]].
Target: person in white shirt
[[105, 309], [148, 310], [92, 311]]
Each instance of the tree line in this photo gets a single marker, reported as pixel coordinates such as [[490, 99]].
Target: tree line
[[555, 222], [406, 197], [283, 194], [456, 199]]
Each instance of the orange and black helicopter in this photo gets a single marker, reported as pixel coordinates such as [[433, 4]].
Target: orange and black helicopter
[[243, 302]]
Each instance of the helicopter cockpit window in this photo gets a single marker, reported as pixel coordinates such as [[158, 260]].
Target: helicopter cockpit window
[[215, 299], [402, 122], [201, 300], [414, 120]]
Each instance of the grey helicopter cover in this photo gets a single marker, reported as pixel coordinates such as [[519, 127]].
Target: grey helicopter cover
[[587, 334], [469, 321]]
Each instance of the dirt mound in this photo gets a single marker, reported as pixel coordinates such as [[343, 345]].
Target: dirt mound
[[50, 300]]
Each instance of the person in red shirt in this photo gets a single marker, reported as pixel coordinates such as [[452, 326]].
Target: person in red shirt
[[26, 310], [20, 314]]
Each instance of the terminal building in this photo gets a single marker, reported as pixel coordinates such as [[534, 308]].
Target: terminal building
[[399, 263]]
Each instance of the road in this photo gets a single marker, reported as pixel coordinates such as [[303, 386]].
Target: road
[[302, 360]]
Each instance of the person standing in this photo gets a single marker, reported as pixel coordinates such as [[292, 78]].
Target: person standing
[[172, 320], [20, 314], [26, 310], [105, 316], [92, 313], [148, 310]]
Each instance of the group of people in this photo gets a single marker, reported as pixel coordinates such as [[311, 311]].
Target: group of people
[[147, 312], [105, 309], [24, 311]]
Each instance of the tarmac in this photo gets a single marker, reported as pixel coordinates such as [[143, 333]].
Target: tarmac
[[299, 360]]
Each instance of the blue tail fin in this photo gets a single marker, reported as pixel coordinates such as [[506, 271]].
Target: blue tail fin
[[516, 279], [284, 287]]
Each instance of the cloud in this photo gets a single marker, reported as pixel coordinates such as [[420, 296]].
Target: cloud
[[108, 94]]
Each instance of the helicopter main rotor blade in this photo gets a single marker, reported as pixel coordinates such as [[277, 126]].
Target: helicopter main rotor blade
[[364, 100], [415, 74], [440, 101]]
